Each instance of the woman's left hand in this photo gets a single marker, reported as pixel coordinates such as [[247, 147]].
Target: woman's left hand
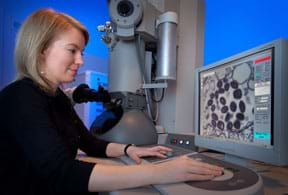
[[136, 153]]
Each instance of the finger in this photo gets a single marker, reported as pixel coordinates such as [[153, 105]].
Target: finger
[[162, 148], [209, 166], [196, 177], [136, 159], [205, 165], [158, 154], [204, 171], [162, 152], [153, 153]]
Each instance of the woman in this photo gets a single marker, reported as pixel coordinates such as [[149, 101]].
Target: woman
[[41, 133]]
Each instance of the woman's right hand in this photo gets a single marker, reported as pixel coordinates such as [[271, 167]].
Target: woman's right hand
[[110, 178], [185, 169]]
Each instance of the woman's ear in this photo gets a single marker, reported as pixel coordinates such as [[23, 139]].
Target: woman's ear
[[42, 55], [44, 51]]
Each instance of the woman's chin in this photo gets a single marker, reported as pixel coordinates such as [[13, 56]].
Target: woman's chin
[[69, 80]]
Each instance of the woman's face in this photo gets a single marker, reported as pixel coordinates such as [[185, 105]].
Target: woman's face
[[63, 57]]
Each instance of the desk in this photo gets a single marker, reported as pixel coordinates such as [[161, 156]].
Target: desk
[[275, 179]]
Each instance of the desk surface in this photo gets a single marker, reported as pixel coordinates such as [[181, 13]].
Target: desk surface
[[275, 179]]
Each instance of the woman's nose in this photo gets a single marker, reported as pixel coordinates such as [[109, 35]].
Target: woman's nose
[[79, 60]]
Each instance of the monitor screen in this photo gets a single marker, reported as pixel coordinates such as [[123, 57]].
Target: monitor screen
[[235, 100], [235, 104]]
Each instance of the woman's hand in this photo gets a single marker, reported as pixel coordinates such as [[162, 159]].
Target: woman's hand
[[185, 169], [136, 153]]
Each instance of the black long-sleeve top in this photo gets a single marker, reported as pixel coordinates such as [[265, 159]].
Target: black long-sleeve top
[[39, 138]]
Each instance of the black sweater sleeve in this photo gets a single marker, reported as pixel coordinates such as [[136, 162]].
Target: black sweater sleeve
[[90, 145], [87, 142], [25, 116]]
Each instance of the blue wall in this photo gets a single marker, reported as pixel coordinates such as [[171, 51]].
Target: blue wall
[[233, 26]]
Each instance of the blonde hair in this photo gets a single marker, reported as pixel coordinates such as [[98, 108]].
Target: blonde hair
[[35, 35]]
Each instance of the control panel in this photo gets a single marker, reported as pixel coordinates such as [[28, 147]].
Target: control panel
[[183, 141]]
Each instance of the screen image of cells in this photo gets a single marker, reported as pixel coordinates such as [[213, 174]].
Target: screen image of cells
[[227, 102]]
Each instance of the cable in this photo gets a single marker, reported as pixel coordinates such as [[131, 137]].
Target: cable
[[144, 77]]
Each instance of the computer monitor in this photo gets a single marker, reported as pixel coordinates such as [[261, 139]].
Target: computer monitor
[[241, 104]]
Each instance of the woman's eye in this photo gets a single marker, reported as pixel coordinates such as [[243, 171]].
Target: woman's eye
[[73, 51]]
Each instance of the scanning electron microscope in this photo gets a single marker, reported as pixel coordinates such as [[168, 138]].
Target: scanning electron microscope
[[142, 44]]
